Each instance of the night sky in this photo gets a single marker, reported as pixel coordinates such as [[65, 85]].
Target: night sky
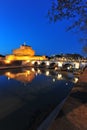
[[25, 21]]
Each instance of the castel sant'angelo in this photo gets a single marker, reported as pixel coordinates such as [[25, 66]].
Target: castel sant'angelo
[[25, 52]]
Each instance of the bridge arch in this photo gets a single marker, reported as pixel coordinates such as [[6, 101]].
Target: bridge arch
[[35, 64], [43, 65], [53, 65], [67, 66]]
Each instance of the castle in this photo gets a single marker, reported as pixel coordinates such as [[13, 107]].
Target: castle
[[25, 52]]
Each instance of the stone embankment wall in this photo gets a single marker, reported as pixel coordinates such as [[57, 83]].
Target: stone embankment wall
[[83, 77]]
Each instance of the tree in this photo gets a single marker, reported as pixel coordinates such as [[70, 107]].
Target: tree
[[73, 10]]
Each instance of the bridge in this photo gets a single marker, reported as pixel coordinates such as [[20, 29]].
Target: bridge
[[75, 64]]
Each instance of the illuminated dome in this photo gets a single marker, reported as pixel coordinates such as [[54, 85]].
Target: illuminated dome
[[23, 51]]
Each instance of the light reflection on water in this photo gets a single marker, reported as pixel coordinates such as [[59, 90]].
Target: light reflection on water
[[27, 75], [28, 95]]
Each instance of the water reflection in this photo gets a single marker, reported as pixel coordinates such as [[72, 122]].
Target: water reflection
[[26, 75], [27, 106]]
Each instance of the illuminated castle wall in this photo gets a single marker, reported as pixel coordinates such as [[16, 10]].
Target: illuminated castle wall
[[24, 53]]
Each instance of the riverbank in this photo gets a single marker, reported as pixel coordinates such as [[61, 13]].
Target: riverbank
[[73, 115]]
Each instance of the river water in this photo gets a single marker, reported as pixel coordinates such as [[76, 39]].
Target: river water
[[27, 96]]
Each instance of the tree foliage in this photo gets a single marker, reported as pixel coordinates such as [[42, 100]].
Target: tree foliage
[[73, 10]]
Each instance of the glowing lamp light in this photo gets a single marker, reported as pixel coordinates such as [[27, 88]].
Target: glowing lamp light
[[8, 78], [38, 62], [28, 72], [59, 76], [54, 80], [66, 83], [33, 69], [33, 62], [76, 80], [68, 68], [56, 68], [7, 61], [38, 71], [47, 63], [59, 64], [77, 65], [47, 73], [28, 61], [8, 73]]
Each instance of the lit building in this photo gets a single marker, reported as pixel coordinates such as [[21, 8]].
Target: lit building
[[24, 53]]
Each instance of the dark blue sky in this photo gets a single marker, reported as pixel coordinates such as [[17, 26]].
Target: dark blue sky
[[25, 21]]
